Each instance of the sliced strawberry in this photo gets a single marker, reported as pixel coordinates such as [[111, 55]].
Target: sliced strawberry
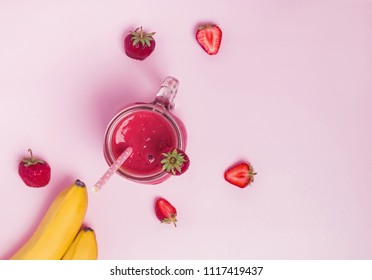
[[165, 212], [240, 175], [209, 37], [175, 162]]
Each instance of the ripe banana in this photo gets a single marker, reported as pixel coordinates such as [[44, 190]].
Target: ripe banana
[[84, 246], [58, 227]]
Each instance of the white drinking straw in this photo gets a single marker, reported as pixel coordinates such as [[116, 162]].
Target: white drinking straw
[[113, 168]]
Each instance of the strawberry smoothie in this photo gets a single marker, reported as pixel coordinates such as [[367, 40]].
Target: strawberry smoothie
[[149, 133], [150, 129]]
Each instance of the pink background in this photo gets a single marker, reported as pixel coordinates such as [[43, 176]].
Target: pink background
[[290, 91]]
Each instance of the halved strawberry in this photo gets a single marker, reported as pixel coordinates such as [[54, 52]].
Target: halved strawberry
[[175, 162], [209, 37], [240, 175], [165, 212]]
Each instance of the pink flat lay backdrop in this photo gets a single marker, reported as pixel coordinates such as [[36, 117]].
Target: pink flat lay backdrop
[[290, 91]]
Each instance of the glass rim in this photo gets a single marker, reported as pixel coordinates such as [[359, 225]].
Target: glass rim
[[108, 153]]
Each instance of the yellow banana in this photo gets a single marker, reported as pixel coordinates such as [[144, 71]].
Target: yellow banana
[[58, 227], [84, 246]]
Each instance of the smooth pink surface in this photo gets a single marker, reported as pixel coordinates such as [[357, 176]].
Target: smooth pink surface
[[290, 91]]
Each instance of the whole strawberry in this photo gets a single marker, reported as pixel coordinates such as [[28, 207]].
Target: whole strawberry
[[175, 162], [34, 172], [139, 44], [165, 212], [240, 175]]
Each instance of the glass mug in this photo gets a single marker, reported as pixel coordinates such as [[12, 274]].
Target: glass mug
[[150, 129]]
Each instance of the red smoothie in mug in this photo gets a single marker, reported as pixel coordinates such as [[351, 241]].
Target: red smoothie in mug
[[149, 133]]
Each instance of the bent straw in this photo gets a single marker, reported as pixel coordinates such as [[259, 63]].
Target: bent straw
[[113, 168]]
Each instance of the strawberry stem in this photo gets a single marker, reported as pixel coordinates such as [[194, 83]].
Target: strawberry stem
[[139, 36], [252, 173], [30, 151], [31, 160], [141, 32], [173, 161], [174, 220]]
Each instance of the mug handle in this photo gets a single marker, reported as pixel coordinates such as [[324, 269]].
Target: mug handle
[[167, 93]]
